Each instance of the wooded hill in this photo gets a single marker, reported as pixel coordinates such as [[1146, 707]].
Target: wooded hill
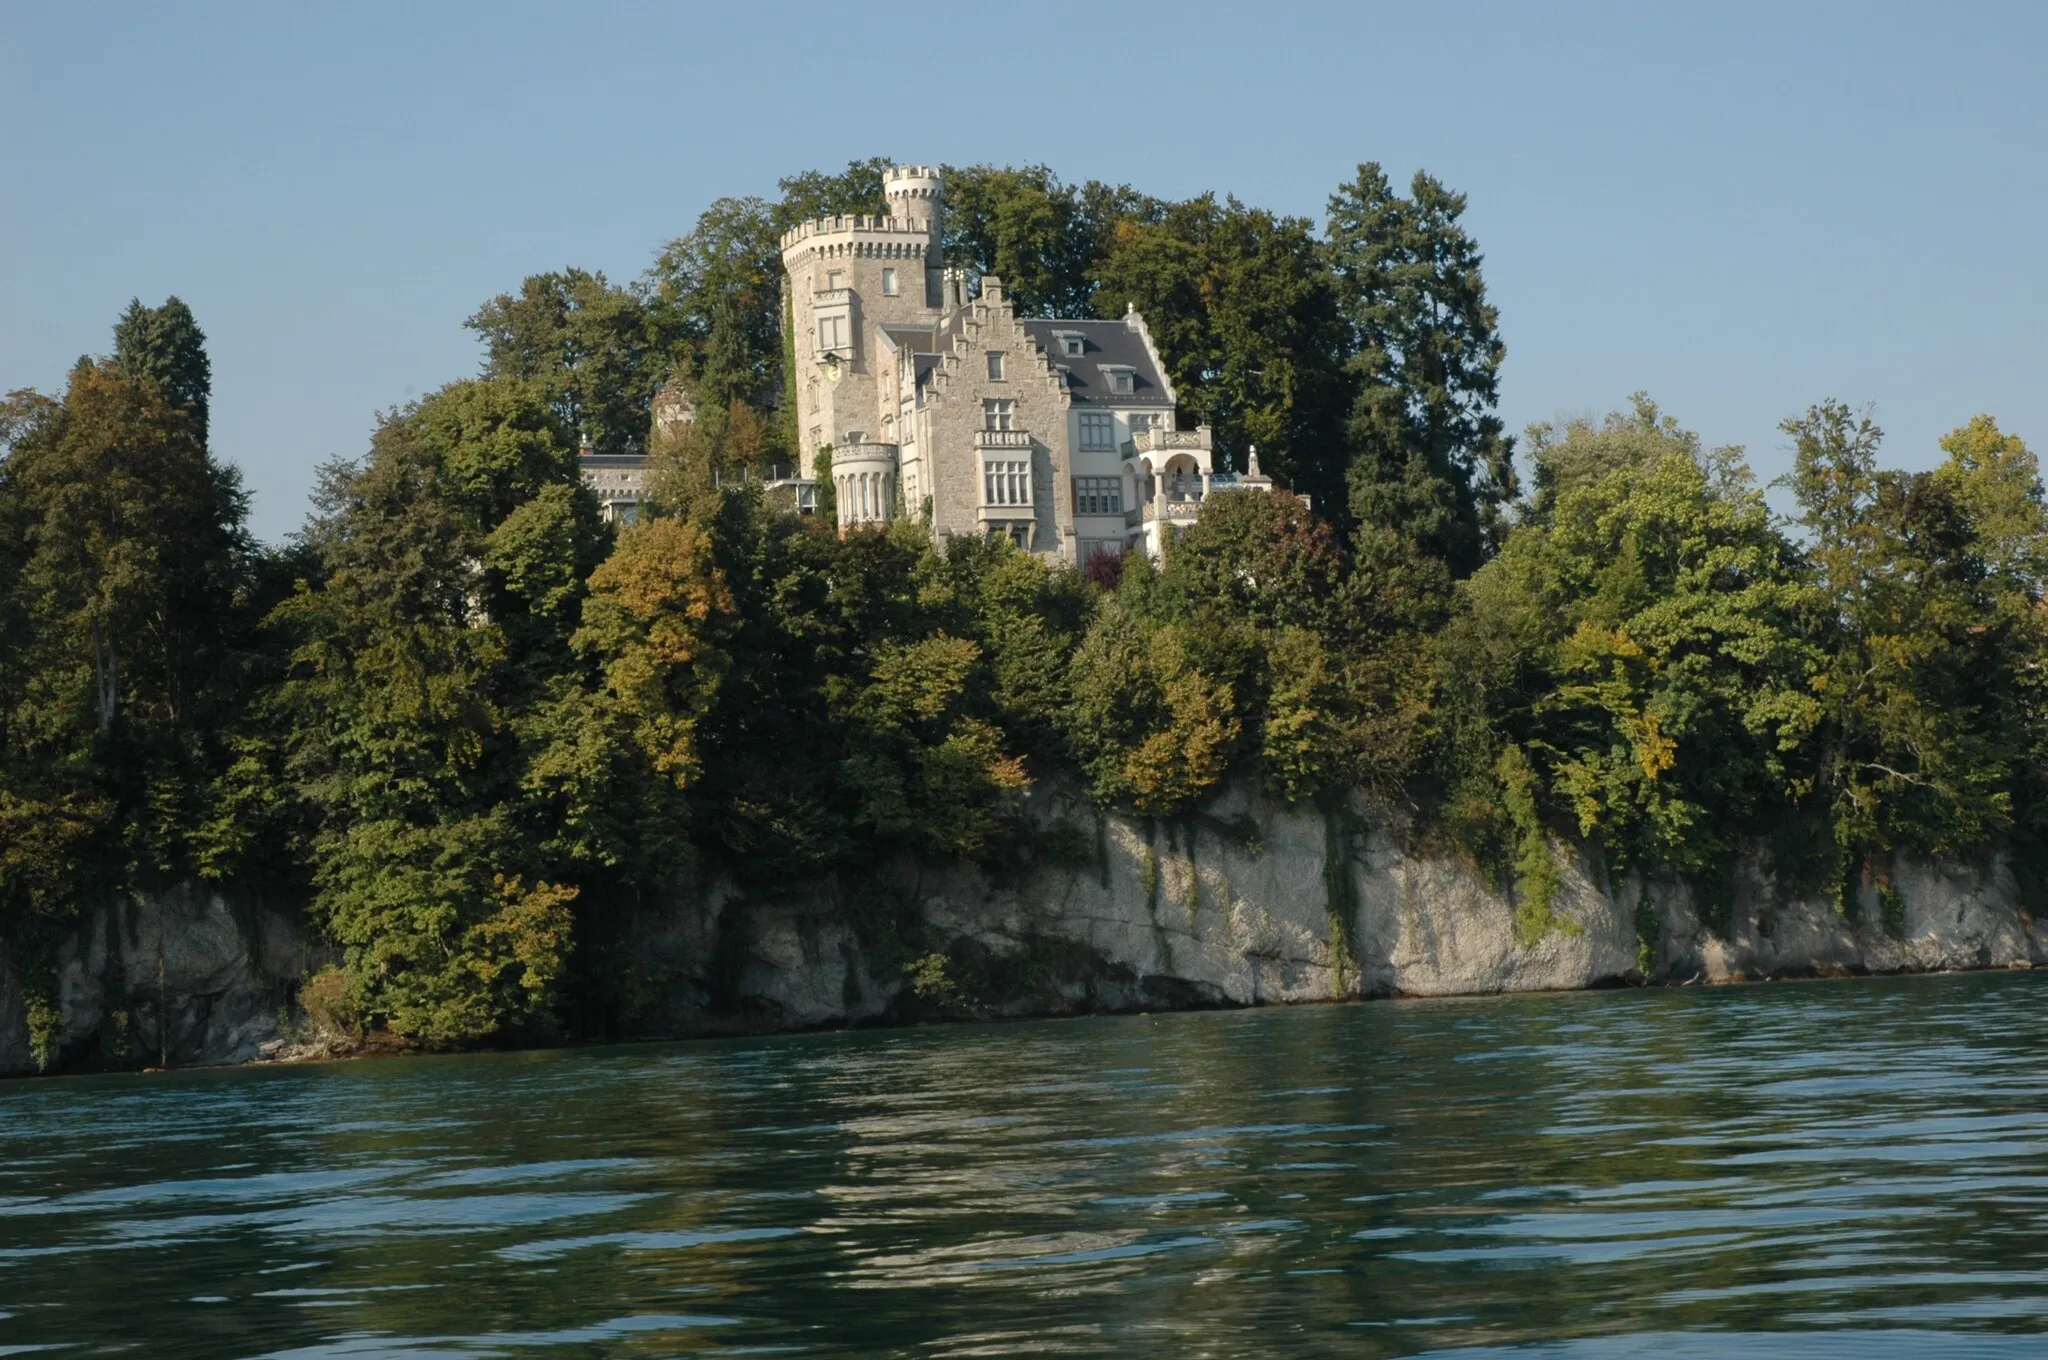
[[477, 731]]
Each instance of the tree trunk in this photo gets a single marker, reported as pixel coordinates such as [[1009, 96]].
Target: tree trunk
[[106, 671]]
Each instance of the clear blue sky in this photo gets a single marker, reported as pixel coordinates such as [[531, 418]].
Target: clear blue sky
[[1741, 209]]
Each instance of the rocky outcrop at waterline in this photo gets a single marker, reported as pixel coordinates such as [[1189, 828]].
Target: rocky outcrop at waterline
[[182, 977], [1246, 904]]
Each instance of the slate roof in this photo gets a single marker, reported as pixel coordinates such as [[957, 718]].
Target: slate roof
[[1111, 343], [1105, 342]]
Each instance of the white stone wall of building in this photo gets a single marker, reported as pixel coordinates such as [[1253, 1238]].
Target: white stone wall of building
[[953, 461]]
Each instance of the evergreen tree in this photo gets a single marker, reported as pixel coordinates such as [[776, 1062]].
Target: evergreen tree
[[165, 345], [1428, 457]]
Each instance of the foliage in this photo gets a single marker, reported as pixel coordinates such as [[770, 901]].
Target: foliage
[[1045, 239], [1632, 661], [1926, 612], [598, 351], [482, 733], [1246, 316], [1430, 460], [423, 666]]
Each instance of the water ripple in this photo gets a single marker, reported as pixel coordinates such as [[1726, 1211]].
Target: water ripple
[[1812, 1172]]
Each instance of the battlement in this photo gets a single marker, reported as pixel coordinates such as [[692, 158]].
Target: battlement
[[915, 181], [857, 224]]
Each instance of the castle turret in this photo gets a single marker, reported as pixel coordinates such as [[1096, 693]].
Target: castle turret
[[849, 276], [917, 191]]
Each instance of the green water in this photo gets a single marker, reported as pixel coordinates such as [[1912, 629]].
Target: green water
[[1820, 1170]]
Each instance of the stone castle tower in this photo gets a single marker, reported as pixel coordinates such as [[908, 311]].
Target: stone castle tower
[[848, 277]]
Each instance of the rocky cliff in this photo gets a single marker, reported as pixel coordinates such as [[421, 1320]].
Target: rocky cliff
[[1246, 904], [1251, 904], [182, 977]]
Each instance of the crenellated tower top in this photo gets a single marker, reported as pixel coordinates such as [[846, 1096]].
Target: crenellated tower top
[[915, 191]]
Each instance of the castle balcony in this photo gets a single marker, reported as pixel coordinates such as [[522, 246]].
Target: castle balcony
[[1146, 442], [1167, 507], [1002, 439], [822, 298]]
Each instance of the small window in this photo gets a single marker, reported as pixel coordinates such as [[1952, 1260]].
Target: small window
[[1144, 420], [1098, 495], [995, 365], [835, 279], [889, 283], [998, 414], [1120, 381], [831, 332], [1074, 345], [1098, 432]]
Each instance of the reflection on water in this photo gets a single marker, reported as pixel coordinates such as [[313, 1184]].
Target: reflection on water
[[1821, 1170]]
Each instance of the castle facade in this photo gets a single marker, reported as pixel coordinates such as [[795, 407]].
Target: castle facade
[[926, 401], [920, 398]]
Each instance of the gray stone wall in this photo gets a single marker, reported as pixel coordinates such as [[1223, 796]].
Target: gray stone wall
[[184, 976], [859, 249], [1238, 906], [951, 461]]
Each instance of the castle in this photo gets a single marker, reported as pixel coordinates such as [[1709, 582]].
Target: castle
[[921, 400]]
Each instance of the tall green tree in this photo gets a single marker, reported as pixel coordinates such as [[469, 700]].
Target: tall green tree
[[718, 290], [1574, 452], [597, 349], [126, 580], [431, 665], [819, 193], [1925, 605], [1429, 459], [1242, 309], [165, 346], [1632, 669], [1044, 238]]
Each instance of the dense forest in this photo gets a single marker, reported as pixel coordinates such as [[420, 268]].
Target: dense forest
[[478, 733]]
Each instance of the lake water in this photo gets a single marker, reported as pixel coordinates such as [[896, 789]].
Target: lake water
[[1842, 1169]]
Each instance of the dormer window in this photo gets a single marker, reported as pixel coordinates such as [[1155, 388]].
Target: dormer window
[[1122, 381], [1072, 344]]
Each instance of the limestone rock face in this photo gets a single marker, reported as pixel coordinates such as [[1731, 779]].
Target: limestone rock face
[[1251, 903], [180, 977], [1245, 904]]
